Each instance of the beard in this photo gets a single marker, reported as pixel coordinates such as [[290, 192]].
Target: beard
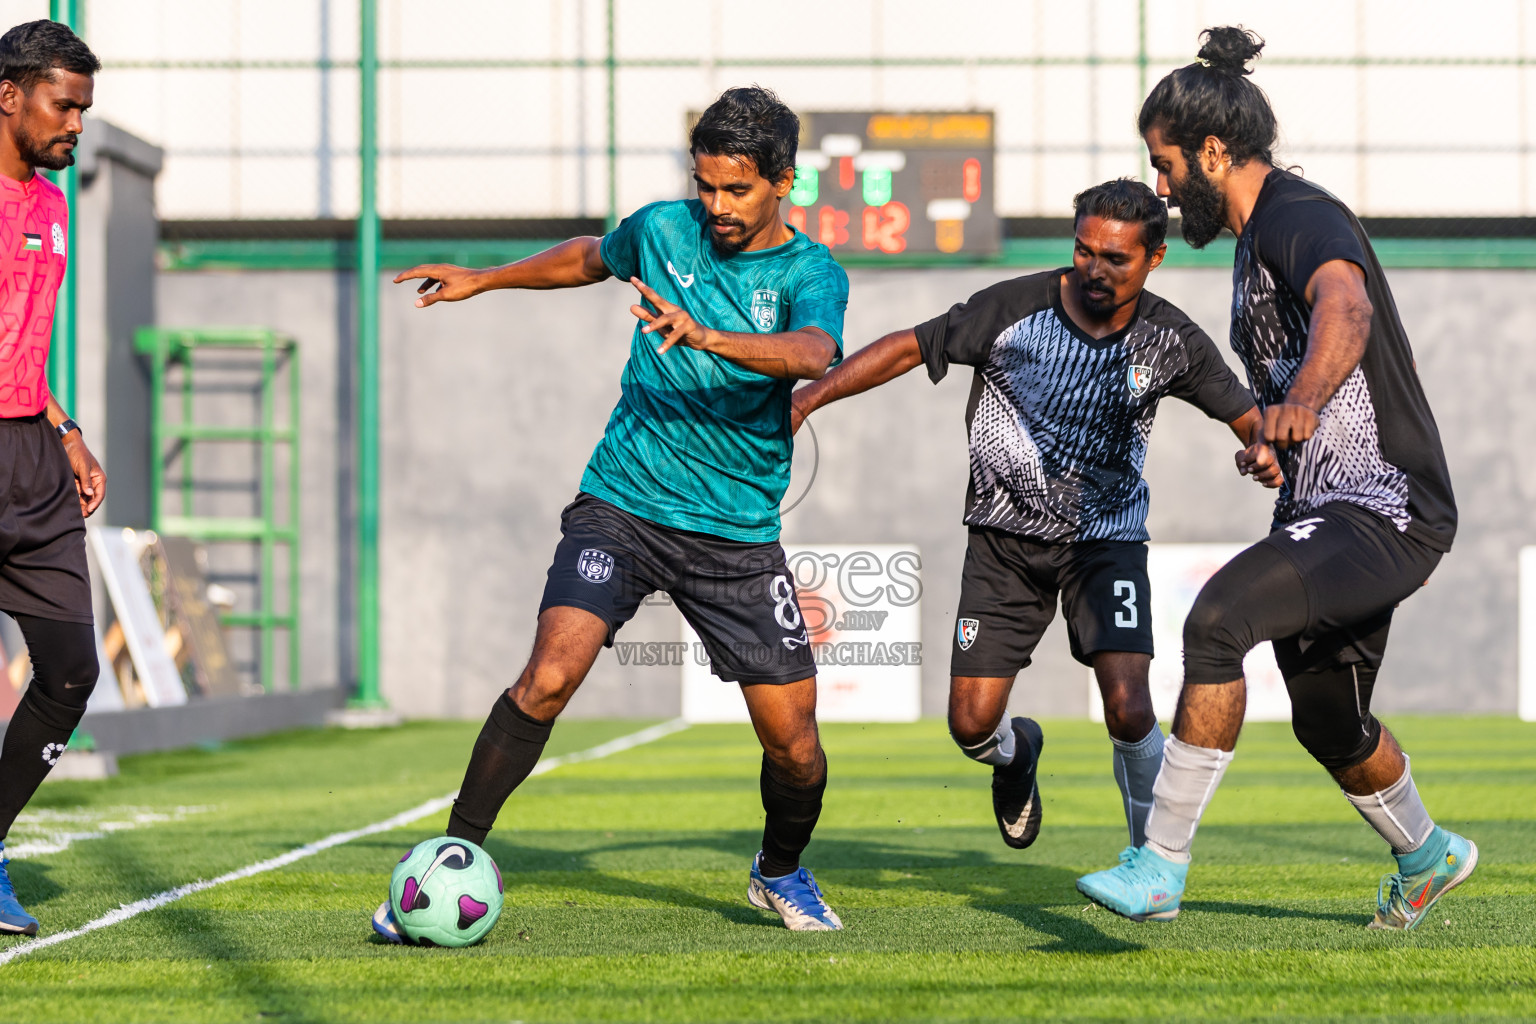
[[43, 155], [1101, 309], [726, 246], [1202, 208]]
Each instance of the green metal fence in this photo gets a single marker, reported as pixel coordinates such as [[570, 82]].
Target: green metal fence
[[172, 355]]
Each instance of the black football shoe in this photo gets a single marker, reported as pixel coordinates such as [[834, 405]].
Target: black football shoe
[[1016, 789]]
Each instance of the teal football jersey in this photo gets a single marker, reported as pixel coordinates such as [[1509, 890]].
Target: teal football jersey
[[698, 442]]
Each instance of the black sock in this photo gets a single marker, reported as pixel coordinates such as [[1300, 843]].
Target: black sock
[[64, 673], [791, 816], [508, 747], [38, 733]]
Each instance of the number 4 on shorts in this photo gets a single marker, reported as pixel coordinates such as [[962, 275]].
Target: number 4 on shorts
[[1302, 529]]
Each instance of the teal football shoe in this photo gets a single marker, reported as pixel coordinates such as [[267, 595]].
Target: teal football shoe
[[14, 920], [796, 898], [1404, 899], [1143, 887]]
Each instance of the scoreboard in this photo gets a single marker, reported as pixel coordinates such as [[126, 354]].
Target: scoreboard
[[886, 183]]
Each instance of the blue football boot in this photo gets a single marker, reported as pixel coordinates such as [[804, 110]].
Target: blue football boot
[[384, 924], [1405, 896], [1143, 887], [796, 898], [14, 920]]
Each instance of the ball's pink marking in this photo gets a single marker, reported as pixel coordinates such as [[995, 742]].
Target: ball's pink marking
[[471, 909]]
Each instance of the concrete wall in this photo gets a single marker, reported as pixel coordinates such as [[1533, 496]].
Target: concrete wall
[[492, 407]]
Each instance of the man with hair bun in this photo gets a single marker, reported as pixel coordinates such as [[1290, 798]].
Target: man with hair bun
[[1069, 368], [1364, 515], [682, 493]]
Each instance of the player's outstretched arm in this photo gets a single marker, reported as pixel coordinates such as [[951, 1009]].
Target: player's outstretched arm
[[793, 355], [1257, 458], [567, 265], [869, 367], [1336, 339]]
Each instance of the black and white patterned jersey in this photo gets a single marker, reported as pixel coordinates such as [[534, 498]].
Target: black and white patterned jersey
[[1376, 443], [1058, 420]]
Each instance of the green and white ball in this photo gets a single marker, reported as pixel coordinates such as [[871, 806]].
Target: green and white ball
[[446, 892]]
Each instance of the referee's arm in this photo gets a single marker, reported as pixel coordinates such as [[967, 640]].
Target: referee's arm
[[90, 478]]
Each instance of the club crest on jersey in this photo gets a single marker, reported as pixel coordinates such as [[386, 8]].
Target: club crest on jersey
[[58, 239], [596, 566], [1138, 379], [765, 308], [965, 632]]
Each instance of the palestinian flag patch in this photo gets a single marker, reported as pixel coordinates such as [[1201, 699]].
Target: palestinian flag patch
[[34, 243]]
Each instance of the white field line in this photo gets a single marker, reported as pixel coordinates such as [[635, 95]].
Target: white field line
[[160, 899], [47, 831]]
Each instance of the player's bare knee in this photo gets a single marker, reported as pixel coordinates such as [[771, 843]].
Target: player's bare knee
[[1128, 715], [799, 761], [970, 726]]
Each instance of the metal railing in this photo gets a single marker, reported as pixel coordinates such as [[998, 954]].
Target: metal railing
[[171, 353]]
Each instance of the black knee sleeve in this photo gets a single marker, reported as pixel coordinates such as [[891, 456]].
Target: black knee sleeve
[[64, 665], [1331, 714], [1255, 597]]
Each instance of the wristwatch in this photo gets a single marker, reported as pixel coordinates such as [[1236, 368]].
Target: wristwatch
[[68, 425]]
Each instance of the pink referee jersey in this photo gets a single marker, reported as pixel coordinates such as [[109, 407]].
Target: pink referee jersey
[[34, 221]]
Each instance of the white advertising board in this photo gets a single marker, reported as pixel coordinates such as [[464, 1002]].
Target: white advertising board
[[859, 607], [117, 554], [1177, 572]]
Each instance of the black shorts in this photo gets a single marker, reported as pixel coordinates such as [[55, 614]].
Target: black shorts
[[1008, 593], [42, 533], [737, 595], [1354, 568]]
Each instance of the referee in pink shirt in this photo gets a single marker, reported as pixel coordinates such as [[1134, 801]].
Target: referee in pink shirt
[[49, 481]]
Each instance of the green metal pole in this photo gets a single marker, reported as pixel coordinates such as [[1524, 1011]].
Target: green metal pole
[[294, 481], [61, 350], [368, 370], [268, 600], [1141, 80], [611, 66]]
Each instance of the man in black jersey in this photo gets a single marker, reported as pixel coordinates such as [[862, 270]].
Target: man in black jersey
[[1070, 365], [1364, 515]]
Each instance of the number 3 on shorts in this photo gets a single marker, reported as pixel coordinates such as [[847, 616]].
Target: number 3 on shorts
[[1126, 589], [785, 611]]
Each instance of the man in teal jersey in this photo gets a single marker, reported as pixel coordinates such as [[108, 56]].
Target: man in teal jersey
[[682, 493]]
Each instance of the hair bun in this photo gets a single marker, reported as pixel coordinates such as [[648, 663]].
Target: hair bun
[[1230, 48]]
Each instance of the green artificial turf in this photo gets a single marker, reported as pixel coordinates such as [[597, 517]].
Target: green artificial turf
[[626, 886]]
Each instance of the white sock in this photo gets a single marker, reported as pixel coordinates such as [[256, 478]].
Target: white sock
[[997, 749], [1136, 767], [1183, 791], [1396, 813]]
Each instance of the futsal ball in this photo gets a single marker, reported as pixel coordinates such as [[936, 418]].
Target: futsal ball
[[446, 892]]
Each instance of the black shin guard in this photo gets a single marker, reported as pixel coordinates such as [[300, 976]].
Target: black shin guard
[[64, 673], [791, 813], [508, 747]]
